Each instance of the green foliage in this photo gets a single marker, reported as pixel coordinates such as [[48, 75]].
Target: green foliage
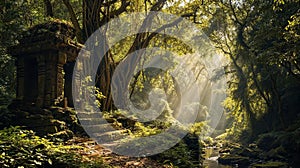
[[261, 40], [180, 156], [6, 117], [15, 17], [200, 128], [137, 129], [88, 92], [238, 115], [22, 148], [153, 128]]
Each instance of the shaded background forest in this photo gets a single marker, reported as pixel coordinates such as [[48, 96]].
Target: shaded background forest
[[260, 39]]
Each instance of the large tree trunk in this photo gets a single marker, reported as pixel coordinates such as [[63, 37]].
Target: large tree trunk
[[49, 9], [92, 20], [91, 23]]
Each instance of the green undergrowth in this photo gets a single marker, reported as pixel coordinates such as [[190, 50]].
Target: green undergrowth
[[178, 156], [270, 165], [184, 154], [22, 148]]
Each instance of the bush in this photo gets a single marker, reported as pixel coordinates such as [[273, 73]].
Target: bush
[[179, 155], [6, 117], [22, 148]]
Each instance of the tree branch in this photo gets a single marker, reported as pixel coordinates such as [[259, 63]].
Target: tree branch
[[234, 14], [74, 21], [115, 13], [157, 31], [240, 36], [158, 5], [258, 87], [107, 4]]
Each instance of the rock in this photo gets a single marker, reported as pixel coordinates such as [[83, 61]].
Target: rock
[[252, 146], [208, 141], [47, 129], [36, 121], [43, 121], [251, 153], [47, 112], [241, 161], [22, 114], [265, 141], [225, 150], [270, 165], [58, 112], [64, 135], [61, 125], [277, 153]]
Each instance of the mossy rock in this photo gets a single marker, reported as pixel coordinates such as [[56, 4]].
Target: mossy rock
[[61, 125], [234, 159], [22, 114], [6, 117], [251, 153], [55, 26], [265, 141], [44, 130], [224, 151], [64, 135], [36, 121], [270, 165], [277, 153], [208, 141]]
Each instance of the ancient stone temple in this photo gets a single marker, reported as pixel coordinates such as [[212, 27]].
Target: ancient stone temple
[[45, 58]]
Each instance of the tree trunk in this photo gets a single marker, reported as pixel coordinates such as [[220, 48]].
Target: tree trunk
[[49, 9], [91, 23], [92, 20]]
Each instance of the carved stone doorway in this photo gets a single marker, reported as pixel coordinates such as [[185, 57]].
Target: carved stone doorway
[[31, 82]]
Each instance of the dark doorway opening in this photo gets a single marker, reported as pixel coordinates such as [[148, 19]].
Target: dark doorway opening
[[30, 80], [68, 69]]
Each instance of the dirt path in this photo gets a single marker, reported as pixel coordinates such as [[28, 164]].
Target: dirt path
[[112, 159]]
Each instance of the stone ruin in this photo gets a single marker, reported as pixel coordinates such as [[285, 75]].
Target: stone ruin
[[45, 58]]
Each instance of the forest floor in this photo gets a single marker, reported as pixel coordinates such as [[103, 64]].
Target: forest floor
[[95, 151]]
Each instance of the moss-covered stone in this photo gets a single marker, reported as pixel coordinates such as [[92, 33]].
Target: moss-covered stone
[[234, 160], [270, 165], [278, 153], [266, 141], [63, 135], [44, 121]]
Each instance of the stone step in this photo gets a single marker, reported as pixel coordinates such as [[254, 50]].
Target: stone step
[[92, 121], [110, 136], [101, 128], [89, 115]]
